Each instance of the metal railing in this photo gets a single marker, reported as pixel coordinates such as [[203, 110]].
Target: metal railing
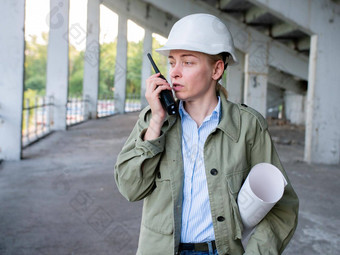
[[38, 115], [77, 110], [37, 119], [105, 105], [132, 103]]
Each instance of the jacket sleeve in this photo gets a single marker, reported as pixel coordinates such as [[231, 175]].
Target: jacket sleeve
[[137, 162], [273, 233]]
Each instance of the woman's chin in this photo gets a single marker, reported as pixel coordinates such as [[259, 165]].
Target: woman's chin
[[180, 97]]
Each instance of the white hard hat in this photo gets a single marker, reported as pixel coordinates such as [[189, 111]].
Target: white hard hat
[[203, 33]]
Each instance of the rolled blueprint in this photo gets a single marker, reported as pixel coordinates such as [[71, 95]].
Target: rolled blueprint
[[262, 189]]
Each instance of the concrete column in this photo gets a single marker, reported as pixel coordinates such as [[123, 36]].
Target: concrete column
[[235, 80], [322, 20], [323, 117], [91, 60], [256, 77], [146, 66], [295, 107], [57, 61], [121, 65], [12, 47]]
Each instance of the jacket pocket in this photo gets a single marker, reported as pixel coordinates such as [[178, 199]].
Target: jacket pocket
[[157, 209], [235, 181]]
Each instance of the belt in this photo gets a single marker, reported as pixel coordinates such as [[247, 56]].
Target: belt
[[196, 246]]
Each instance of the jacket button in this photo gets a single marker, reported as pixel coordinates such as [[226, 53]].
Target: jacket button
[[220, 218], [213, 171]]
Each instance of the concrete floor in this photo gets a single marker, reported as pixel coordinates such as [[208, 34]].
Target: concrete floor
[[62, 198]]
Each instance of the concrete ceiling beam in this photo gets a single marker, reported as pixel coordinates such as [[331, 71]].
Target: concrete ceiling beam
[[280, 55], [224, 4], [303, 44], [308, 15], [144, 14], [286, 81], [253, 14], [280, 30]]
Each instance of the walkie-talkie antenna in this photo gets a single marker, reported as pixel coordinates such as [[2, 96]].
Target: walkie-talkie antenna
[[166, 97], [153, 63]]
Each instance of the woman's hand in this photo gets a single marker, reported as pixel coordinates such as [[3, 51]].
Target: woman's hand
[[154, 86]]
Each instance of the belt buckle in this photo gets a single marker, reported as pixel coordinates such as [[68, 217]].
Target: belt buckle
[[197, 246]]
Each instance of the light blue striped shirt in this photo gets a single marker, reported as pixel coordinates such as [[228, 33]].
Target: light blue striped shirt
[[197, 223]]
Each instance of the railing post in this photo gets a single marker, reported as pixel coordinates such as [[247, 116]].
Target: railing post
[[27, 118], [43, 114], [50, 113], [35, 112], [86, 113]]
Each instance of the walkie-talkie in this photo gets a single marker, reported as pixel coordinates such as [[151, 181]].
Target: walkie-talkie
[[166, 97]]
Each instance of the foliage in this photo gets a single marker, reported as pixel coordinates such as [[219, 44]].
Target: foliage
[[134, 67], [76, 72], [35, 65], [30, 96], [107, 68], [161, 61], [36, 59]]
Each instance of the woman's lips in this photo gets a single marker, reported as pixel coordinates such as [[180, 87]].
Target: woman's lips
[[177, 87]]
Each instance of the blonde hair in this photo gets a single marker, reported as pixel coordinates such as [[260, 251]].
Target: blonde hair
[[213, 59], [220, 89]]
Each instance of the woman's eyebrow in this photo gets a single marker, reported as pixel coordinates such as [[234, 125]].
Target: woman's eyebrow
[[188, 55], [183, 56]]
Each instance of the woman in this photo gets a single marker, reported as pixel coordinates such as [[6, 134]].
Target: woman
[[189, 168]]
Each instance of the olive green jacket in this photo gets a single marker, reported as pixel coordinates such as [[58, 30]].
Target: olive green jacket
[[153, 171]]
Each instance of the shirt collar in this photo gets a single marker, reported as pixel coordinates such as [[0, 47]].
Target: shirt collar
[[214, 115]]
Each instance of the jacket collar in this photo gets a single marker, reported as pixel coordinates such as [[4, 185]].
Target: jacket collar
[[230, 119]]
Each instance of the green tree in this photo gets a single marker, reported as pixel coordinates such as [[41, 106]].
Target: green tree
[[107, 68], [36, 59], [35, 65], [76, 72], [134, 67], [161, 61]]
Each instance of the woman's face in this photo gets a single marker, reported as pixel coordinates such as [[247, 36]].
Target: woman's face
[[191, 75]]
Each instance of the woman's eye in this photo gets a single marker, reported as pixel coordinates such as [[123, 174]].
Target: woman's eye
[[188, 63]]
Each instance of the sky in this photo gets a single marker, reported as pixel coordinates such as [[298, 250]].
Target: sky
[[37, 21]]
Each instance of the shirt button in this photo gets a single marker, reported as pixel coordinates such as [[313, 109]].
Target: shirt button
[[220, 218], [213, 171]]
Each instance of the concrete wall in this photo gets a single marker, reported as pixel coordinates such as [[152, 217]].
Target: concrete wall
[[12, 48], [235, 79], [295, 105], [58, 62], [121, 65], [321, 19], [91, 60]]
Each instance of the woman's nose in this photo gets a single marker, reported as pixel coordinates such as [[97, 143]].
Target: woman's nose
[[175, 71]]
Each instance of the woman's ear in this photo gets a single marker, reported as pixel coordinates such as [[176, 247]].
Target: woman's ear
[[218, 70]]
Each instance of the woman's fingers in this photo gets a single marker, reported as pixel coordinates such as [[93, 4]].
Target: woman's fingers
[[154, 86], [162, 87]]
